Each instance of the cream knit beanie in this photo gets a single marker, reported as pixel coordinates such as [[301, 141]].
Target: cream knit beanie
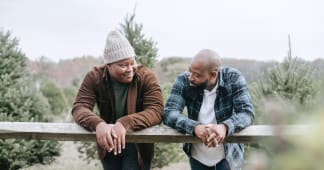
[[117, 48]]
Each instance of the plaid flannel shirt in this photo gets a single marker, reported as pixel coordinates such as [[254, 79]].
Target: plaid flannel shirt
[[233, 107]]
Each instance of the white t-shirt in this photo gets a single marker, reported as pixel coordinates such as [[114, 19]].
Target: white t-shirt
[[208, 156]]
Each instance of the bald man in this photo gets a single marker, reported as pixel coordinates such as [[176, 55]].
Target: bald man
[[218, 104]]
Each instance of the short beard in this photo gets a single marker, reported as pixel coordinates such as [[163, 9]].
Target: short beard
[[193, 91], [202, 86]]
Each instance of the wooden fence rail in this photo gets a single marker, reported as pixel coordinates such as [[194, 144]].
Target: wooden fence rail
[[160, 133]]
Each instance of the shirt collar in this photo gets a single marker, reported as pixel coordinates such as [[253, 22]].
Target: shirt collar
[[220, 78]]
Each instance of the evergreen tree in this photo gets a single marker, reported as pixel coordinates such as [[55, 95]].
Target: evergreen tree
[[54, 95], [12, 61], [292, 81], [145, 49], [20, 101]]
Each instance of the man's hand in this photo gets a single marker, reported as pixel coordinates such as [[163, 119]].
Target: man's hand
[[216, 134], [119, 133], [104, 136], [201, 132]]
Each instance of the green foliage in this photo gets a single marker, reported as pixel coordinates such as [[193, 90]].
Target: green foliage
[[20, 101], [166, 153], [166, 90], [23, 104], [88, 151], [286, 94], [145, 49], [291, 81], [13, 61], [54, 95], [70, 93], [16, 154]]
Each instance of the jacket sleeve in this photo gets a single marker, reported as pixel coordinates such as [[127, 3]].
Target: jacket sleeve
[[172, 115], [243, 114], [82, 110], [152, 106]]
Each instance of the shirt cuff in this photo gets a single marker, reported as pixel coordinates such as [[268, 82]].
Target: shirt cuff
[[230, 126]]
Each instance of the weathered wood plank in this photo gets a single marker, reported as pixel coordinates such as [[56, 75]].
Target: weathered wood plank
[[160, 133]]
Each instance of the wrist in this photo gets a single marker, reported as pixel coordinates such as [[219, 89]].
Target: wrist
[[225, 127], [99, 124], [120, 125], [196, 129]]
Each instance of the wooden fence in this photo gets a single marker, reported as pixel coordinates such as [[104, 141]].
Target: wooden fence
[[160, 133]]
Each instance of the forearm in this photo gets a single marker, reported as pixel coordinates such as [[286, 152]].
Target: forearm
[[237, 122], [85, 118], [179, 122], [141, 120]]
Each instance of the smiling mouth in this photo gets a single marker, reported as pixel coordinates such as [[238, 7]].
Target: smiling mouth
[[129, 75]]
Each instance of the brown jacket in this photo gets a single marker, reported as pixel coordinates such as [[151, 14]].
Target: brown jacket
[[144, 104]]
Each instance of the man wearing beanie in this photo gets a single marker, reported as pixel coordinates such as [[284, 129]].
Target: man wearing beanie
[[128, 98]]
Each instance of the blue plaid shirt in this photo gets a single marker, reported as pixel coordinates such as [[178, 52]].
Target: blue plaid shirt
[[233, 107]]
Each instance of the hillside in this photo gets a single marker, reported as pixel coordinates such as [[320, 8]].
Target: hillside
[[66, 72]]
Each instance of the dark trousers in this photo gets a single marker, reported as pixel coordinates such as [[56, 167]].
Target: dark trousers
[[127, 160], [196, 165]]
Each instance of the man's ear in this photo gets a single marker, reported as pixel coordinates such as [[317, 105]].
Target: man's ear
[[214, 73]]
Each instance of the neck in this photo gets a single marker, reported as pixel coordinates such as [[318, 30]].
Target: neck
[[211, 84]]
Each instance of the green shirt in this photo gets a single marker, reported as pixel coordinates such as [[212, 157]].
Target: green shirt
[[120, 94]]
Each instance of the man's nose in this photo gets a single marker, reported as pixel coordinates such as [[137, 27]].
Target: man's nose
[[190, 77], [129, 68]]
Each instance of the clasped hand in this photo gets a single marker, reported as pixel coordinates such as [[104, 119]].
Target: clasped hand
[[211, 134], [111, 137]]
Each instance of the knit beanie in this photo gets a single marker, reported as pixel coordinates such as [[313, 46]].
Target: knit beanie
[[117, 48]]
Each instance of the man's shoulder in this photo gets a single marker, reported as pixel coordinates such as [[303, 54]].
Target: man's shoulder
[[229, 70], [143, 72], [229, 74]]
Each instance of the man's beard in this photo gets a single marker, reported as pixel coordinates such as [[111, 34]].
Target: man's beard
[[201, 86], [193, 91]]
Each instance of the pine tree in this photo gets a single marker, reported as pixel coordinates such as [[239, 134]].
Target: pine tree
[[54, 95], [145, 49], [290, 85], [292, 79], [12, 61], [20, 101]]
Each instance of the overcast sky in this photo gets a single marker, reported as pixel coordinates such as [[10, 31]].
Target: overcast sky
[[246, 29]]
